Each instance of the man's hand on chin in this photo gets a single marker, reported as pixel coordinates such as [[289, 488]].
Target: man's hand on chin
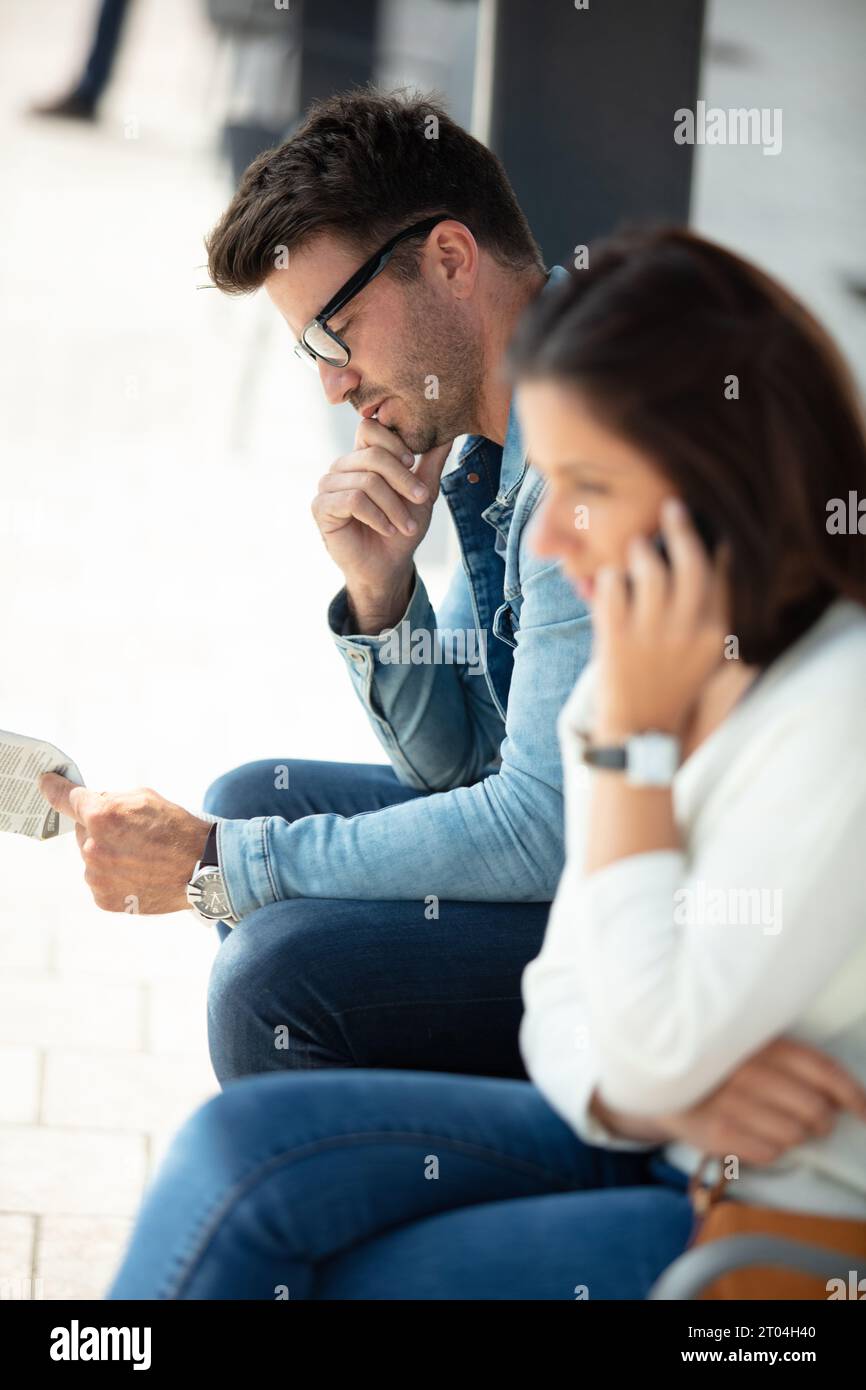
[[139, 850]]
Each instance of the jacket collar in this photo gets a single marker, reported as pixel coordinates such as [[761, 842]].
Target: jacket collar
[[514, 460]]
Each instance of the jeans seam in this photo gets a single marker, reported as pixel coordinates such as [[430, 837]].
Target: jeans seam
[[266, 854], [174, 1286]]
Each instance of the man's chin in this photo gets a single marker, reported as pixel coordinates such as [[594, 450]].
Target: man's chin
[[409, 439], [421, 441], [418, 436]]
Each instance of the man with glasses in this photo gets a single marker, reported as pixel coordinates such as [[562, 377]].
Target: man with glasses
[[319, 342], [381, 916]]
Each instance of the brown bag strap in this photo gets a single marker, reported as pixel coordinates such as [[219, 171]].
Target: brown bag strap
[[703, 1194], [716, 1215]]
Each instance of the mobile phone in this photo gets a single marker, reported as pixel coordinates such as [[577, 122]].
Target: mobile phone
[[703, 526]]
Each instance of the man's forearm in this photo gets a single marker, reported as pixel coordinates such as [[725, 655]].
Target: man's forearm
[[438, 729], [499, 840]]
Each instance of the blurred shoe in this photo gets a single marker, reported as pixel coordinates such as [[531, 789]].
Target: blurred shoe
[[73, 106]]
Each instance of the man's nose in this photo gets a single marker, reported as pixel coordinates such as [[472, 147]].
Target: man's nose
[[338, 382]]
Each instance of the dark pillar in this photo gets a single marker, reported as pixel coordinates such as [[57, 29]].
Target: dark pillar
[[338, 46], [579, 105]]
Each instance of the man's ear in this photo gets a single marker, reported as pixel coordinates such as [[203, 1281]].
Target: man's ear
[[453, 257]]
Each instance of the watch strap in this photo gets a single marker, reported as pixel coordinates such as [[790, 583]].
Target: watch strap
[[615, 758], [648, 759], [209, 856]]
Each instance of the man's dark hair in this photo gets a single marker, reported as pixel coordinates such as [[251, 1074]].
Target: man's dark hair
[[649, 335], [364, 165]]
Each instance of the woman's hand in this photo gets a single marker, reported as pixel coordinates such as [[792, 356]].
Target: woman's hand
[[659, 631], [782, 1096]]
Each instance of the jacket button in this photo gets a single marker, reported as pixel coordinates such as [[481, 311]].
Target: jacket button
[[472, 477]]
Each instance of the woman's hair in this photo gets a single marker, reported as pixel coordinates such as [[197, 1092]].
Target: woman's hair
[[738, 396]]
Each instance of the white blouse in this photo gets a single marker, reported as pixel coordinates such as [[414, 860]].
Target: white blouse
[[662, 972]]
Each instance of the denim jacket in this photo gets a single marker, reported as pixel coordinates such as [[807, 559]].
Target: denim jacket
[[478, 733]]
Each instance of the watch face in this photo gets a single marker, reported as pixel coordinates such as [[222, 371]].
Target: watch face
[[213, 901], [653, 759]]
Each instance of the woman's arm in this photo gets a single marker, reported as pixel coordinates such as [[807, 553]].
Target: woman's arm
[[660, 638], [672, 995], [638, 1127], [786, 1094]]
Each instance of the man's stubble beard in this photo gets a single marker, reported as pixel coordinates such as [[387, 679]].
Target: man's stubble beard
[[446, 357]]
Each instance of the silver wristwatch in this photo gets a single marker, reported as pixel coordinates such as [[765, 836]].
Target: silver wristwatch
[[648, 760], [206, 891]]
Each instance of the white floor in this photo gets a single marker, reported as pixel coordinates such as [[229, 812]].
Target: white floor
[[164, 592]]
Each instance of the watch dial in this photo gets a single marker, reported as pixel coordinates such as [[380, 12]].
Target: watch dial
[[213, 897]]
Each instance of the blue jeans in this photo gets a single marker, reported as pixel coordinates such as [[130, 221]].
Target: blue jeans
[[103, 51], [398, 1185], [331, 982]]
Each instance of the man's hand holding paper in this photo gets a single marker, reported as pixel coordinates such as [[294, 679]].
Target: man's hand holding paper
[[22, 806], [139, 850]]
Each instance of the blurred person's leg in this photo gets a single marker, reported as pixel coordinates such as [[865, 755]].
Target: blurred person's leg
[[449, 1187], [263, 99], [316, 50], [313, 983], [82, 101]]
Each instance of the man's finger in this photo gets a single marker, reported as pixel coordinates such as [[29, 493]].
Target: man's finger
[[341, 507], [384, 465], [67, 797], [374, 486], [371, 434], [431, 464]]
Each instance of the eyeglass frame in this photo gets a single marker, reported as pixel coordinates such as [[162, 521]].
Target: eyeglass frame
[[362, 277]]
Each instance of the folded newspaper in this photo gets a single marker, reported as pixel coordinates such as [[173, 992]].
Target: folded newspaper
[[23, 808]]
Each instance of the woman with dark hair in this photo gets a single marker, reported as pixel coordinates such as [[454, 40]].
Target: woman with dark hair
[[698, 431], [699, 435]]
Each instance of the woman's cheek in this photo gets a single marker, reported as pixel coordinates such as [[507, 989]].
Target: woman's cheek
[[549, 534]]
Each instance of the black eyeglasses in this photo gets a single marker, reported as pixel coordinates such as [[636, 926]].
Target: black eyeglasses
[[318, 341]]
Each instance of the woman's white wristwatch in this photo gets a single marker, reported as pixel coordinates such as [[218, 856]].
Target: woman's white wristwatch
[[648, 760], [206, 890]]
